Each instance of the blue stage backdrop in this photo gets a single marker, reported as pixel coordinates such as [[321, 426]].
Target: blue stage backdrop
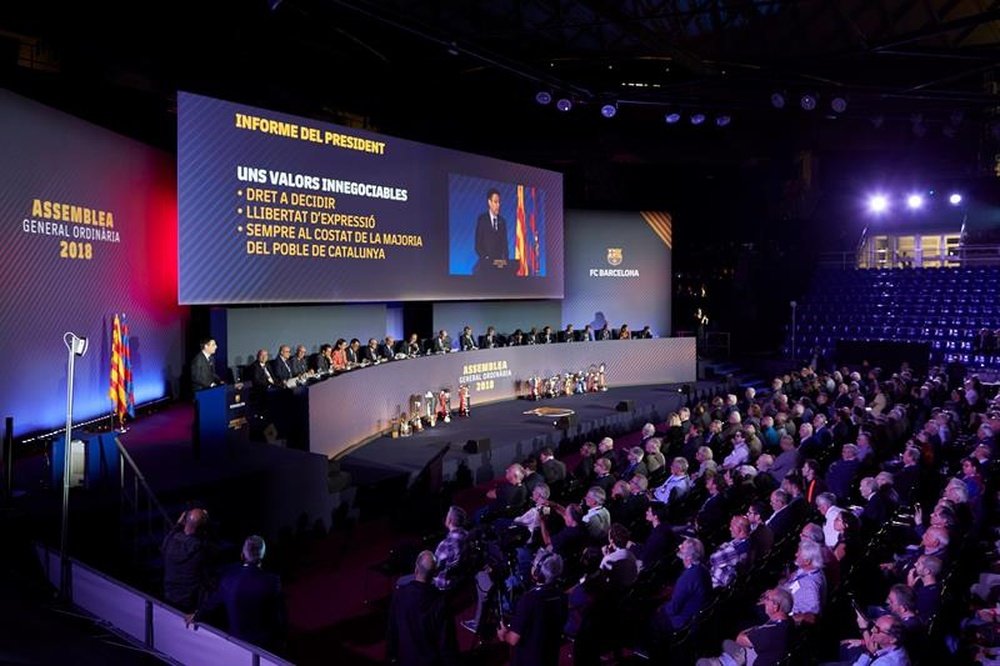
[[618, 269], [90, 230], [275, 208]]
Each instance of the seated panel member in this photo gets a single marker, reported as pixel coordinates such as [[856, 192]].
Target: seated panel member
[[339, 355], [546, 336], [604, 333], [281, 367], [300, 362], [412, 347], [353, 352], [372, 354], [645, 334], [442, 343], [624, 333], [203, 373], [568, 334], [490, 340], [517, 339], [260, 374], [388, 348], [323, 361], [467, 342], [587, 334]]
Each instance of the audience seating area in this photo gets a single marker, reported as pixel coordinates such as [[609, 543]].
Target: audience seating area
[[945, 307]]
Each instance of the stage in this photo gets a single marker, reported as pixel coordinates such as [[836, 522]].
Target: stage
[[512, 434]]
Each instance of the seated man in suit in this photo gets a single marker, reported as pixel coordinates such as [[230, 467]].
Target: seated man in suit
[[442, 343], [604, 333], [587, 334], [388, 350], [300, 362], [281, 367], [372, 354], [467, 342], [490, 340], [261, 377], [412, 347], [203, 374], [353, 352], [323, 361], [546, 336], [645, 334], [568, 334]]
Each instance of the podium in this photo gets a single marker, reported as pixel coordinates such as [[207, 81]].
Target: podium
[[219, 413], [94, 461]]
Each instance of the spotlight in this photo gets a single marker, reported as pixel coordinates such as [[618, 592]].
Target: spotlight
[[838, 104], [955, 199], [609, 110], [778, 100], [914, 201], [543, 97], [672, 118], [697, 118], [723, 120], [807, 102], [564, 105], [878, 203]]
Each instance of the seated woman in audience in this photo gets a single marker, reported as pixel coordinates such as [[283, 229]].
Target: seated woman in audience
[[849, 544], [339, 357]]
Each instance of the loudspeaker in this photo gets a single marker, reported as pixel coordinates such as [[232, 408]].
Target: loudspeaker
[[481, 445], [625, 406], [565, 422]]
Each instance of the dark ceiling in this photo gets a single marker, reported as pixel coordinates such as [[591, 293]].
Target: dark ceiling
[[919, 78]]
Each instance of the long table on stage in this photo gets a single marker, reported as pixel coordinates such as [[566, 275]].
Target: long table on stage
[[353, 407]]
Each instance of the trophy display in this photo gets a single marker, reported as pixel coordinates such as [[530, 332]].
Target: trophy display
[[569, 383], [592, 379], [444, 405], [463, 400], [416, 405], [429, 412], [581, 382], [602, 380], [534, 387], [555, 381]]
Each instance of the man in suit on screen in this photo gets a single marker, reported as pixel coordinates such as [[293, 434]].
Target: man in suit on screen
[[491, 236], [203, 374]]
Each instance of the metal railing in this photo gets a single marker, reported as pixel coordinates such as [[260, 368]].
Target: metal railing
[[148, 623], [142, 516]]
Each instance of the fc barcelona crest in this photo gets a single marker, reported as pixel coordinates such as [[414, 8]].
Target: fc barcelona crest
[[614, 255]]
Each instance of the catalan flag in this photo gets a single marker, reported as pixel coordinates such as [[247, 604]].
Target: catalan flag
[[127, 364], [520, 240], [534, 251], [119, 399]]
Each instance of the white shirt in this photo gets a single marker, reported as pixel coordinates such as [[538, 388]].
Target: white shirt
[[830, 535]]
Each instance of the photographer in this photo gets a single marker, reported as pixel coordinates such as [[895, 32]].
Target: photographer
[[186, 561]]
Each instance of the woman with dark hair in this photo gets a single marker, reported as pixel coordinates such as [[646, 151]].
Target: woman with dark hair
[[340, 355], [849, 546]]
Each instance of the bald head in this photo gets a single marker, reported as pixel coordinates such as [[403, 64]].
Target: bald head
[[425, 567]]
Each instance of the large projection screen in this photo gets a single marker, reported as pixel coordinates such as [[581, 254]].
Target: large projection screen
[[274, 208]]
